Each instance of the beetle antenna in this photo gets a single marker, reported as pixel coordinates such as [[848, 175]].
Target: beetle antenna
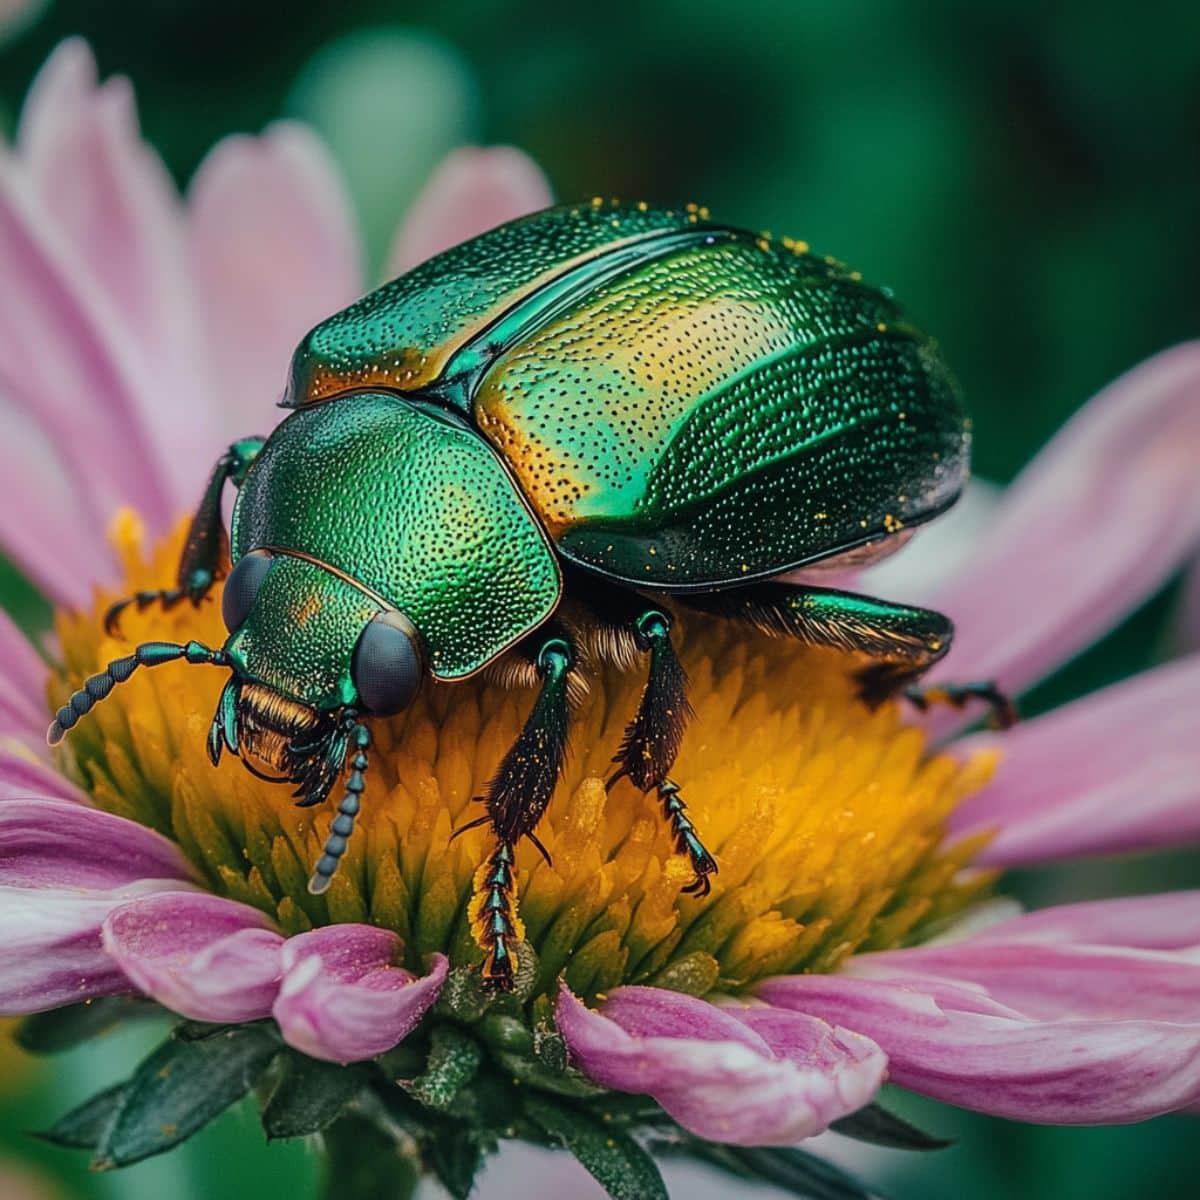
[[348, 809], [148, 654]]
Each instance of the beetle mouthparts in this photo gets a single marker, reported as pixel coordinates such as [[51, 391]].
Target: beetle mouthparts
[[270, 726]]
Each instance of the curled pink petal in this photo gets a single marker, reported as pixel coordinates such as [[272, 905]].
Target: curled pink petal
[[274, 251], [472, 190], [740, 1074], [50, 948], [1116, 771], [22, 775], [47, 843], [1060, 1034], [1099, 520], [343, 1000], [202, 956]]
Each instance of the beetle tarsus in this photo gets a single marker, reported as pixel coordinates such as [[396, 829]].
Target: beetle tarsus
[[1002, 708], [495, 920]]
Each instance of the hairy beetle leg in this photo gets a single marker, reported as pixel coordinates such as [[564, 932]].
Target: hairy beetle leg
[[652, 740], [516, 798], [1003, 710]]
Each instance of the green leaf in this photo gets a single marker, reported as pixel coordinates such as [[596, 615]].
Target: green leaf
[[796, 1171], [455, 1155], [875, 1124], [612, 1157], [83, 1127], [463, 995], [310, 1095], [180, 1088], [364, 1163], [60, 1029], [454, 1057]]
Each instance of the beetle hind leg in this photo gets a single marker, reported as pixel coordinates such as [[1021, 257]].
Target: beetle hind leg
[[652, 740], [1002, 710]]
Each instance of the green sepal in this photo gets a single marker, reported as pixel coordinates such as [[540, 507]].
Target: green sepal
[[534, 1074], [363, 1162], [505, 1033], [83, 1127], [463, 996], [610, 1156], [796, 1171], [180, 1088], [454, 1058], [62, 1028], [310, 1095], [455, 1155], [875, 1124]]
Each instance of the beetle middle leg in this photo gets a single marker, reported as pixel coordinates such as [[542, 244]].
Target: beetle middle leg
[[207, 547], [902, 642], [516, 798]]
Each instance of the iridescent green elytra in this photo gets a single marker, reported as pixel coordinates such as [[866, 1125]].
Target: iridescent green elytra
[[549, 437]]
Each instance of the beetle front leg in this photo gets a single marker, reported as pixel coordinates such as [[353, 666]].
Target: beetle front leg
[[652, 740], [516, 798], [206, 550]]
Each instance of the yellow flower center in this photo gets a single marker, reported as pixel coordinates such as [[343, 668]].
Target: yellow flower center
[[827, 820]]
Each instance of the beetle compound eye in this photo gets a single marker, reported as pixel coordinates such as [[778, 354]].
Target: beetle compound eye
[[242, 586], [387, 668]]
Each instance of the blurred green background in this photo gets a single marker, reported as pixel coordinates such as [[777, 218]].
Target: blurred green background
[[1025, 175]]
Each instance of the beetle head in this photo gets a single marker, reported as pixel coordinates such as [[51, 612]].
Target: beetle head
[[310, 652]]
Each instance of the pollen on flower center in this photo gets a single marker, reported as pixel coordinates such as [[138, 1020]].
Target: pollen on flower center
[[827, 820]]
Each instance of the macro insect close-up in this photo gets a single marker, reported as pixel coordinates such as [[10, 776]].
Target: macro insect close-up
[[511, 690], [541, 442]]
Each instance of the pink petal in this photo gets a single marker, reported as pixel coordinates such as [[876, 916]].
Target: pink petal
[[23, 776], [740, 1074], [1116, 771], [1190, 620], [472, 190], [122, 220], [50, 948], [23, 676], [1029, 1030], [274, 251], [342, 999], [1102, 518], [202, 956], [1168, 921], [47, 843]]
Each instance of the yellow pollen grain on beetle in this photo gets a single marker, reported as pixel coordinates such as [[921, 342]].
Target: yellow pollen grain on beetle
[[828, 821]]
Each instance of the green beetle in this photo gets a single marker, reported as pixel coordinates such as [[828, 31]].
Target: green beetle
[[544, 438]]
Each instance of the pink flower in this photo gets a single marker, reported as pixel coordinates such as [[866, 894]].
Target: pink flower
[[139, 335]]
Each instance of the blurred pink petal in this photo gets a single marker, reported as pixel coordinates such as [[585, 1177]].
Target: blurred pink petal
[[274, 251], [1116, 771], [1190, 622], [202, 956], [1167, 921], [22, 776], [50, 843], [473, 189], [66, 363], [122, 222], [50, 948], [343, 1000], [1101, 519], [23, 675], [1035, 1031], [740, 1074]]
